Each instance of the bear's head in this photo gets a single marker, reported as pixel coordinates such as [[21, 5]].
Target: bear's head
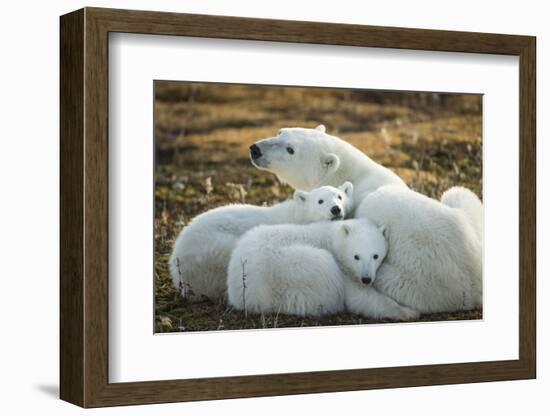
[[360, 247], [325, 203], [298, 156]]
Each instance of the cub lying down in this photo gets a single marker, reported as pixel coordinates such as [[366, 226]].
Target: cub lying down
[[314, 269], [199, 260]]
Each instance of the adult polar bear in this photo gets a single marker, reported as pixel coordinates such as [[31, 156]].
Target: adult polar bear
[[307, 158], [434, 262]]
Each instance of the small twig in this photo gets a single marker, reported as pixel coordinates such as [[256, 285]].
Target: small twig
[[276, 319], [185, 288], [243, 263]]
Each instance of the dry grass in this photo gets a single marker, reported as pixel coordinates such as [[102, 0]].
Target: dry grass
[[202, 136]]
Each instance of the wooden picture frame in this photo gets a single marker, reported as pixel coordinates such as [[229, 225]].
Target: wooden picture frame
[[84, 207]]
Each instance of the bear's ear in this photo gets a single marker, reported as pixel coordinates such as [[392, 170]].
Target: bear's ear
[[347, 187], [330, 162], [383, 230], [321, 128], [346, 229], [300, 196]]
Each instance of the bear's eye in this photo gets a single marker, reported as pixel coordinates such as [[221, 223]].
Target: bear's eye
[[375, 256], [290, 150], [356, 257], [340, 197], [321, 201]]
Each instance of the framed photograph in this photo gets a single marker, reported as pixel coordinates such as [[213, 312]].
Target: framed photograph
[[256, 207]]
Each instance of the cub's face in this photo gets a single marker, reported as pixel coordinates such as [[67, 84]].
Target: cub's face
[[363, 248], [297, 156], [325, 203]]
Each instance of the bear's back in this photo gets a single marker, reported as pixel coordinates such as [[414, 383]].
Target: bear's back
[[420, 230]]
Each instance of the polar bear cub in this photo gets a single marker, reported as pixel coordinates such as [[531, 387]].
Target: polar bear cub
[[308, 158], [314, 269], [435, 259], [198, 264]]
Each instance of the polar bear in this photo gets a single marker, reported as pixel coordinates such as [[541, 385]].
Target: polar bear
[[434, 262], [308, 158], [198, 264], [462, 198], [313, 269]]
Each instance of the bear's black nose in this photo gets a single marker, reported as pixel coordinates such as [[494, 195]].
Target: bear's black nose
[[335, 210], [366, 280], [255, 151]]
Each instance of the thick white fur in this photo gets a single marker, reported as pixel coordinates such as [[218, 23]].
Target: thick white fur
[[198, 264], [464, 199], [434, 263], [318, 158], [310, 270]]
